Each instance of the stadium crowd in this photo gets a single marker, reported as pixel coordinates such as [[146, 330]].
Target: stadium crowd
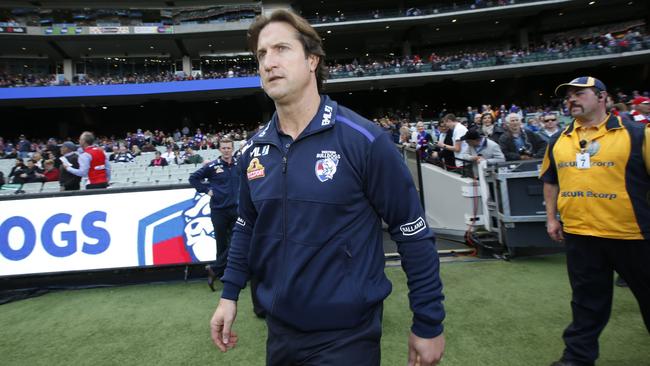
[[632, 40], [432, 9], [531, 126], [90, 79]]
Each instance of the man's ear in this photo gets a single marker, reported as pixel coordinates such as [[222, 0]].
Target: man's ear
[[313, 62]]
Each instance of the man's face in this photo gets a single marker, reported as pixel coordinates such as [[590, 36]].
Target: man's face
[[284, 69], [226, 150], [514, 124], [477, 118], [582, 101], [474, 143], [420, 126], [550, 122]]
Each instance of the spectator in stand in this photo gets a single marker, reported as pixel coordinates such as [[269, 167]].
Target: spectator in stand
[[93, 163], [549, 128], [444, 156], [135, 151], [489, 129], [641, 109], [10, 152], [31, 173], [24, 147], [69, 181], [123, 155], [38, 159], [198, 137], [16, 171], [519, 143], [148, 147], [50, 173], [169, 154], [481, 148], [457, 130], [191, 157], [158, 160], [423, 139], [178, 157], [533, 124]]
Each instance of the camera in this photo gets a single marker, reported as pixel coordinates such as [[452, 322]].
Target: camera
[[523, 151]]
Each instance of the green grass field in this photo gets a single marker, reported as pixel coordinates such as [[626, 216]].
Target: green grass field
[[498, 313]]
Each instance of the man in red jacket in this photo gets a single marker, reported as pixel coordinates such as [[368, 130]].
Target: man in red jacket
[[93, 163]]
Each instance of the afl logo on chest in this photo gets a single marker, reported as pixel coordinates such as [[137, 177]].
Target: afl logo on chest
[[255, 169], [326, 165]]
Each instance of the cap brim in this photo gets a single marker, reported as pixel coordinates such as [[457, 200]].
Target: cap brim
[[559, 87]]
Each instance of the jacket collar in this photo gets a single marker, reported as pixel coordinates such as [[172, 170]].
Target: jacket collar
[[613, 122], [324, 119]]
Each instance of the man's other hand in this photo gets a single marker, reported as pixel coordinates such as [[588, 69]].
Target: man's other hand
[[425, 351], [221, 325]]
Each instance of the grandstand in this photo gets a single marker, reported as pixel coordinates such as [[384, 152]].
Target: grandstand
[[165, 66]]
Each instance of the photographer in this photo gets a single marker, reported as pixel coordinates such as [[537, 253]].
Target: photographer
[[518, 143]]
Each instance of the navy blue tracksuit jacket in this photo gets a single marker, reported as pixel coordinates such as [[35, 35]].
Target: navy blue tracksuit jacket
[[309, 226], [223, 180]]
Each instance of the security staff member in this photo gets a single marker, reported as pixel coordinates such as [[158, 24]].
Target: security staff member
[[223, 189], [93, 163], [316, 182], [595, 174]]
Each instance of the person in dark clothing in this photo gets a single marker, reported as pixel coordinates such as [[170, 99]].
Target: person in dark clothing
[[223, 189], [519, 143], [16, 172], [316, 183], [446, 157], [69, 181]]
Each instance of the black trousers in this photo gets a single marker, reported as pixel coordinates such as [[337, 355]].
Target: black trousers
[[591, 262], [97, 185], [223, 221], [359, 346]]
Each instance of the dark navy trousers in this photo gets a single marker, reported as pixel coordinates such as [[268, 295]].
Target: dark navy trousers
[[591, 262], [223, 221], [357, 346]]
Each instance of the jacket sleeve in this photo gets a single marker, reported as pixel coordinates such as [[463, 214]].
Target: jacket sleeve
[[505, 143], [539, 145], [196, 179], [497, 154], [391, 191], [237, 272]]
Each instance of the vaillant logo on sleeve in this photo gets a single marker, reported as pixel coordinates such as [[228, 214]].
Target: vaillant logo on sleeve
[[412, 228]]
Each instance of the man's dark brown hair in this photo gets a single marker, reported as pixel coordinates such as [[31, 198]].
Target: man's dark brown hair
[[449, 117], [311, 41]]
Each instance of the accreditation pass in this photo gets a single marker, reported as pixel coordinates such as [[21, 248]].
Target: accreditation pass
[[582, 160]]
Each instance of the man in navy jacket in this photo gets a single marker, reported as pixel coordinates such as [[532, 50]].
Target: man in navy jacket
[[316, 183], [223, 189]]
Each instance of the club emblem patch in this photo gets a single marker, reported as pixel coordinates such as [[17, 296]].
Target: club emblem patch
[[255, 169], [326, 165]]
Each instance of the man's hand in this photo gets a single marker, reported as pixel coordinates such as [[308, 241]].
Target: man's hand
[[221, 325], [425, 351], [210, 193], [554, 229], [525, 157], [440, 144]]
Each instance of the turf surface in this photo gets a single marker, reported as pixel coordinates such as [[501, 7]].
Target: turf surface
[[498, 313]]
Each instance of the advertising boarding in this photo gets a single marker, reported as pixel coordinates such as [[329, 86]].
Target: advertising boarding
[[102, 231]]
